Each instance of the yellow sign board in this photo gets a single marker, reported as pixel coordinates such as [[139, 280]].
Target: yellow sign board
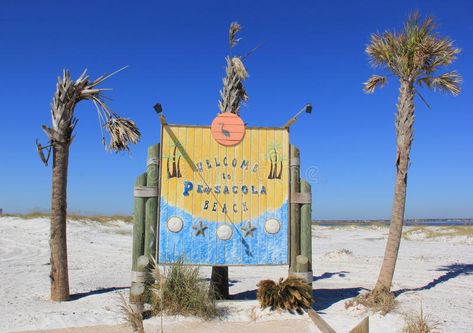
[[223, 205]]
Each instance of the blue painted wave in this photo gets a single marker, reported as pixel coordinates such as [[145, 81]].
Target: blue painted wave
[[261, 248]]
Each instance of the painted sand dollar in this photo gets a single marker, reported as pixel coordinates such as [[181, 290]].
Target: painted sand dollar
[[175, 224], [224, 232], [272, 226], [227, 129]]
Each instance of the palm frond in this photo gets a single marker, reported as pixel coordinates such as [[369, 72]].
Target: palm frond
[[69, 93], [373, 82], [235, 27], [447, 83], [240, 68], [122, 132], [415, 51], [292, 294]]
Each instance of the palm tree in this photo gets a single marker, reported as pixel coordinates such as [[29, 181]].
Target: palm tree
[[122, 132], [232, 95], [413, 56]]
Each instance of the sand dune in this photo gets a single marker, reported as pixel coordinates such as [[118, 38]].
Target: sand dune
[[435, 271]]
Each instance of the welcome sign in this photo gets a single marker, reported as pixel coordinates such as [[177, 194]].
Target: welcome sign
[[223, 204]]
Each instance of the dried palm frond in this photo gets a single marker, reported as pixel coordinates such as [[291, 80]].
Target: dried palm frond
[[69, 93], [131, 315], [373, 82], [233, 92], [235, 27], [239, 68], [292, 294], [121, 131]]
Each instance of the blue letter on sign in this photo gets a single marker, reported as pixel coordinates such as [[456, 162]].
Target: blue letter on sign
[[188, 186]]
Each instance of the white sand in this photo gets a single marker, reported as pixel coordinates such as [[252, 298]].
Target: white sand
[[435, 272]]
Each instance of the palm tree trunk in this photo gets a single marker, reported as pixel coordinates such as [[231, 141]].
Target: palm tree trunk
[[58, 244], [404, 135]]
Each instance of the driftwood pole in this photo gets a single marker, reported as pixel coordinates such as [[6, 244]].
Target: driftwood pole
[[138, 233], [151, 219], [306, 223], [294, 169]]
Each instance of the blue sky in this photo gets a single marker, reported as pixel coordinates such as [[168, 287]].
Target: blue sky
[[312, 51]]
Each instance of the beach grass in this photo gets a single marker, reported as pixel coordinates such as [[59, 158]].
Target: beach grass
[[438, 231], [76, 217], [419, 323]]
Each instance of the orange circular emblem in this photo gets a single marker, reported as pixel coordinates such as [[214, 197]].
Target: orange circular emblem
[[227, 129]]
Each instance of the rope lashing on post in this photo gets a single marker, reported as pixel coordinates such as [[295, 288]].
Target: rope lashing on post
[[152, 160], [301, 197], [145, 191], [138, 276], [294, 161]]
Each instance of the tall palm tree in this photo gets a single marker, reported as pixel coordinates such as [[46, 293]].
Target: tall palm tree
[[122, 132], [414, 56]]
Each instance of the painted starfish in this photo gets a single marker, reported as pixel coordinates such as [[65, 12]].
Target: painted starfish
[[199, 229], [248, 230]]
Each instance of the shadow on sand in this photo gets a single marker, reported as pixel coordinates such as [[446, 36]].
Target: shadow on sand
[[328, 275], [452, 271], [75, 297]]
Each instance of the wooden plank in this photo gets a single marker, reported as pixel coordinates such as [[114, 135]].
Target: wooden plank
[[294, 169], [321, 324], [362, 327], [306, 225], [151, 215]]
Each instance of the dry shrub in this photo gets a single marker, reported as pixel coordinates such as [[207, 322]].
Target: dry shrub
[[419, 323], [292, 294], [377, 300], [179, 290], [132, 316]]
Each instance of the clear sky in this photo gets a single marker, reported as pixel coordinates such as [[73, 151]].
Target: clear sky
[[312, 51]]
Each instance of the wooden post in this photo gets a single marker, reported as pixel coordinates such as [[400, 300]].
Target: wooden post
[[138, 238], [362, 327], [294, 168], [138, 222], [306, 225], [219, 282], [302, 264], [151, 215]]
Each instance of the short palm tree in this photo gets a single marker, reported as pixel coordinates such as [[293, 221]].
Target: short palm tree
[[122, 132], [413, 56]]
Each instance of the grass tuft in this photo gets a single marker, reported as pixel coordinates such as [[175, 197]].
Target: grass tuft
[[419, 323], [132, 316], [179, 290], [382, 301]]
